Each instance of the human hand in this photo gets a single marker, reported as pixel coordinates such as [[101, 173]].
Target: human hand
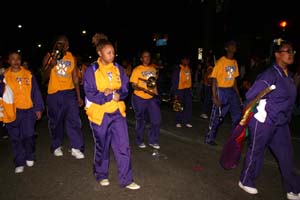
[[80, 102], [107, 91], [216, 101], [38, 115], [116, 96]]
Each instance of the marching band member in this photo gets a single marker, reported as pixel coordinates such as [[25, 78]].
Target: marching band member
[[106, 87], [225, 94], [63, 98], [145, 105], [182, 90], [21, 106], [269, 126]]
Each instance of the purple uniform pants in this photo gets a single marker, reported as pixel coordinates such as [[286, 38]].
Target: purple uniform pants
[[21, 135], [230, 103], [278, 139], [63, 114], [112, 132], [145, 109], [185, 96]]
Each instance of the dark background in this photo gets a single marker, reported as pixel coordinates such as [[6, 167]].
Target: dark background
[[189, 24]]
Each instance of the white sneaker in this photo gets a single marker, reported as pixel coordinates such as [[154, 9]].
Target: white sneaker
[[178, 126], [248, 189], [292, 196], [104, 182], [204, 116], [19, 169], [155, 146], [29, 163], [77, 153], [142, 146], [189, 125], [58, 152], [133, 186]]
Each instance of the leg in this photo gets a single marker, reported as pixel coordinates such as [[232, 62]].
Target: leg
[[153, 110], [102, 148], [235, 108], [259, 136], [282, 149], [121, 149], [15, 137], [179, 115], [55, 112], [139, 107], [27, 132], [73, 122], [188, 102]]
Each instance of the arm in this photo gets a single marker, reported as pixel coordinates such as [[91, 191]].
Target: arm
[[90, 88], [48, 63], [235, 87], [36, 96], [76, 83], [215, 98], [123, 91], [175, 81]]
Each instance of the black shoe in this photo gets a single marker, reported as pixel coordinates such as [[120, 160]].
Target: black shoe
[[212, 143]]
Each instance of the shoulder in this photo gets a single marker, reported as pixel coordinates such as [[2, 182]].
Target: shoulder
[[92, 66]]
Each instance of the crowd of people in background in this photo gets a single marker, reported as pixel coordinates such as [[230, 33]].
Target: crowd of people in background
[[104, 88]]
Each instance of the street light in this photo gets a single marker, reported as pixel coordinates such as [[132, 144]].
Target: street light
[[283, 24]]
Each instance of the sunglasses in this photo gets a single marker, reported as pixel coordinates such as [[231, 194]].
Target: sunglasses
[[289, 51]]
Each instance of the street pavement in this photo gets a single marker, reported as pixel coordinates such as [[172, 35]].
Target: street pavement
[[183, 169]]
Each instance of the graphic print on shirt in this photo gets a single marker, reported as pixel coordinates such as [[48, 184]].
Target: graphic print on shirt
[[147, 74], [230, 71], [62, 67], [187, 74]]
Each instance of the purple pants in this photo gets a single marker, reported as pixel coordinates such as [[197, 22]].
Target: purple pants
[[185, 96], [63, 112], [230, 103], [21, 135], [145, 109], [112, 132], [278, 139]]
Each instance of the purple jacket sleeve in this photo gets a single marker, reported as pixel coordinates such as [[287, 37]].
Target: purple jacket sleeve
[[262, 81], [175, 81], [2, 85], [91, 92], [36, 96]]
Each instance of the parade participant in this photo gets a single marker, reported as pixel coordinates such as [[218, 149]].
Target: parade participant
[[225, 93], [145, 105], [63, 99], [106, 87], [269, 126], [181, 88], [22, 105]]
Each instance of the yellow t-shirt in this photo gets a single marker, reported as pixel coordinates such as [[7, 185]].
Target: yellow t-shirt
[[61, 74], [225, 71], [139, 76]]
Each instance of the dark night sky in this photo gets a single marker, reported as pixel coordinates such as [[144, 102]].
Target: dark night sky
[[132, 23]]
